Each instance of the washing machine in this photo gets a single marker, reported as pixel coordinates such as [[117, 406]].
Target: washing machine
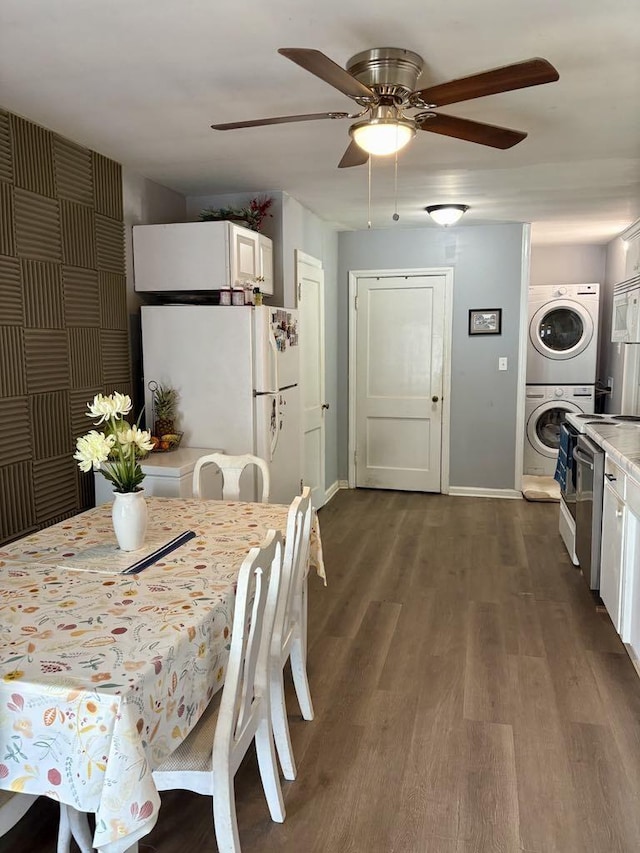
[[545, 408], [563, 334]]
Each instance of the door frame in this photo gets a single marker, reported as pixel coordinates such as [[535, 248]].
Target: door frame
[[301, 257], [447, 272]]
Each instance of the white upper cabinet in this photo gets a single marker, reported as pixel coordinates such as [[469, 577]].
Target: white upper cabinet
[[196, 256], [632, 258], [266, 264]]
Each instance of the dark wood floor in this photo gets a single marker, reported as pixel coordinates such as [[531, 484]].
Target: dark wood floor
[[469, 696]]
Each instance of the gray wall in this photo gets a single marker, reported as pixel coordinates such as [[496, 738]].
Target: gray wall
[[575, 264], [487, 262], [144, 203]]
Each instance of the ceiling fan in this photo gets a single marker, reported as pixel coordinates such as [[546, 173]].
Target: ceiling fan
[[382, 81]]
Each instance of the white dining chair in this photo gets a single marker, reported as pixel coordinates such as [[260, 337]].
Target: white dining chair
[[231, 468], [290, 630], [73, 824], [207, 761]]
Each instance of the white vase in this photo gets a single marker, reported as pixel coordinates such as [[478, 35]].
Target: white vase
[[129, 514]]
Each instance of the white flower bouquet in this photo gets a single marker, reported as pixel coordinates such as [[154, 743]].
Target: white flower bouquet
[[114, 451]]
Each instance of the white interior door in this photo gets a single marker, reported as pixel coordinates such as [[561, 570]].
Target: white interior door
[[310, 278], [399, 355]]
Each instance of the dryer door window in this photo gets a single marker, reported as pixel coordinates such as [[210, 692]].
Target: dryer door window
[[561, 329]]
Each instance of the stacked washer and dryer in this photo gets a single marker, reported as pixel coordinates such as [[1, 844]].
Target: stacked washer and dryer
[[561, 366]]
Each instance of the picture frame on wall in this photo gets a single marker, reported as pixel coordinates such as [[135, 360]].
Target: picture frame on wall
[[485, 321]]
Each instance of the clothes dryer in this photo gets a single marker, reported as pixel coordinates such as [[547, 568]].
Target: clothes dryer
[[545, 409], [563, 334]]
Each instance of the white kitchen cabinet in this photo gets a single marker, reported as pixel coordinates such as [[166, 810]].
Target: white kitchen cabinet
[[198, 256], [611, 564], [631, 598], [169, 475], [632, 259], [266, 264]]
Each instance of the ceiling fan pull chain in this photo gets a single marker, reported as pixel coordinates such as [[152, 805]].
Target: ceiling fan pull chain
[[369, 217], [396, 215]]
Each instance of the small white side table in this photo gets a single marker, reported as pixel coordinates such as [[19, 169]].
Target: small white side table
[[169, 475]]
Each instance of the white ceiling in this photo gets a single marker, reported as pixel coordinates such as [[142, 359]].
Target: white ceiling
[[142, 80]]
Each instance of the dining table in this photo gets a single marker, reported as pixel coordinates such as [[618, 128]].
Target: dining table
[[109, 658]]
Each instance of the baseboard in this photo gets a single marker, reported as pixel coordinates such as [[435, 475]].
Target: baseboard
[[333, 489], [479, 492]]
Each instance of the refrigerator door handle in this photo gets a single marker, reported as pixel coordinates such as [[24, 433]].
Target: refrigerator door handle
[[274, 361], [276, 431]]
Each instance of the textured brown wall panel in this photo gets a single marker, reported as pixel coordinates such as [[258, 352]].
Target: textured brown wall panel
[[12, 374], [46, 360], [43, 296], [107, 186], [11, 304], [85, 485], [15, 430], [115, 359], [113, 301], [50, 424], [6, 159], [33, 157], [81, 423], [110, 244], [78, 238], [81, 297], [85, 357], [16, 499], [37, 226], [73, 171], [63, 317], [7, 220], [55, 490]]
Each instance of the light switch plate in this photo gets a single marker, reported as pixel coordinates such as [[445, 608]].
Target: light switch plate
[[502, 363]]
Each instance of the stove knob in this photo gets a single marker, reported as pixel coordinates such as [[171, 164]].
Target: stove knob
[[559, 392]]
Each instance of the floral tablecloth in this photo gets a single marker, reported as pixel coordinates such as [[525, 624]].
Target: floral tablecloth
[[103, 675]]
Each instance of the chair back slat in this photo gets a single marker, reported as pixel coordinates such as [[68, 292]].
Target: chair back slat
[[246, 679], [296, 559], [231, 468]]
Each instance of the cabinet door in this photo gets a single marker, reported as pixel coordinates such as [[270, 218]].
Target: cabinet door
[[266, 265], [611, 562], [244, 254], [632, 260]]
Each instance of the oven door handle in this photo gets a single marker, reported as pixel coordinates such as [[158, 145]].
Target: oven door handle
[[580, 457]]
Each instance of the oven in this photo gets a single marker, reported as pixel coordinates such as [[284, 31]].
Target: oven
[[588, 461]]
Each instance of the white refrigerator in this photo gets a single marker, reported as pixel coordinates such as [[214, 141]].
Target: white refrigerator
[[236, 373]]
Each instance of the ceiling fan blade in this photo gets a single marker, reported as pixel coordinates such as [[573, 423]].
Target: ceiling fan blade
[[472, 131], [234, 125], [329, 71], [531, 72], [353, 156]]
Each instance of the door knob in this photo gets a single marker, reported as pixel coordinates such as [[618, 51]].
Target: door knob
[[325, 405], [434, 399]]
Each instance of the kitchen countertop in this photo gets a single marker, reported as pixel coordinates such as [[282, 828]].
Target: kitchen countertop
[[621, 441]]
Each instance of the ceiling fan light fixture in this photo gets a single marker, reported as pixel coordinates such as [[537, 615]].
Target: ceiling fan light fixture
[[382, 136], [447, 214]]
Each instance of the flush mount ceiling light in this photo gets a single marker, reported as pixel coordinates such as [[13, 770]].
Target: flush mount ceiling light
[[447, 214], [386, 132]]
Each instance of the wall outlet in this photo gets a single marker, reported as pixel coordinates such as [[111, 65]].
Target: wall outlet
[[502, 363]]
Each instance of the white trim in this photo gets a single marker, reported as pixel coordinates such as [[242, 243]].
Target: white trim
[[522, 356], [479, 492], [302, 258], [447, 272], [332, 490]]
